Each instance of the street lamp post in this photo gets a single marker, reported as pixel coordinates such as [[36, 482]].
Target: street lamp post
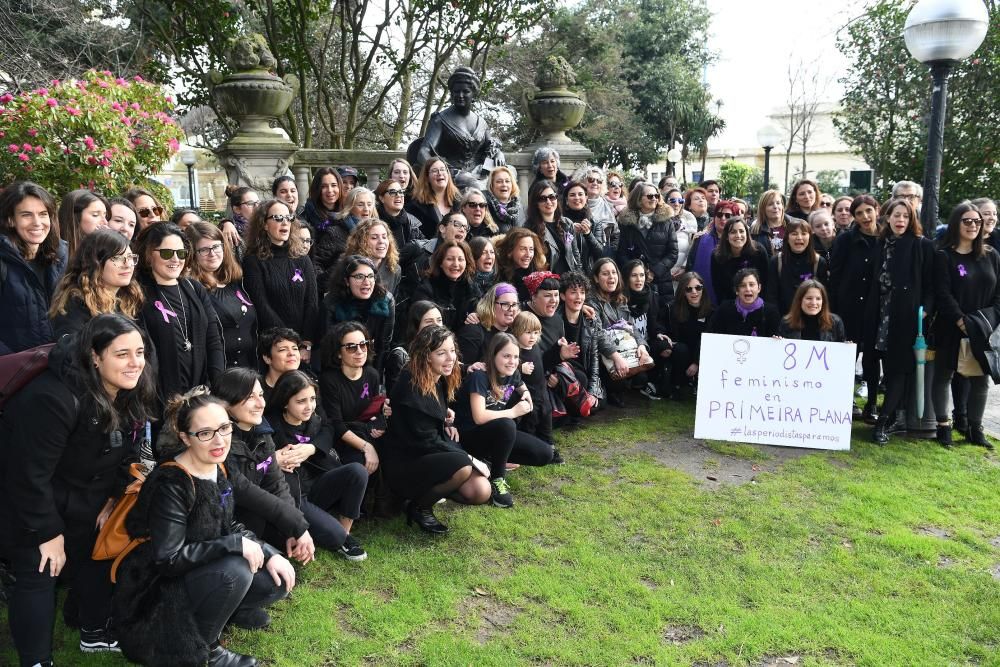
[[189, 158], [939, 33], [673, 157], [768, 137]]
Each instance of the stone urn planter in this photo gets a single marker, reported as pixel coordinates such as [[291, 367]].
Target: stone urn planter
[[252, 94], [555, 108]]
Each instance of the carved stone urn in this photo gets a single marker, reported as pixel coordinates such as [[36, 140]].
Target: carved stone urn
[[555, 108], [252, 94]]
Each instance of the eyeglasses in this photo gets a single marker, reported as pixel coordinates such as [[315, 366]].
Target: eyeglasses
[[396, 193], [507, 305], [281, 218], [363, 277], [694, 289], [437, 171], [614, 184], [548, 198], [652, 197], [251, 204], [826, 204], [591, 179], [307, 241], [214, 249], [476, 204], [459, 225], [972, 222], [124, 261], [724, 216], [150, 212], [676, 200], [355, 347], [167, 253], [208, 434]]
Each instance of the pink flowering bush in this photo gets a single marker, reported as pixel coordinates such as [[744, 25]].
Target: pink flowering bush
[[99, 132]]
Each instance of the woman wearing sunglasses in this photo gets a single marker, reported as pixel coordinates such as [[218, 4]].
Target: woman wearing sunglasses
[[648, 233], [967, 281], [545, 219], [280, 276], [473, 206], [147, 208], [100, 278], [216, 268], [389, 205], [689, 315], [357, 295], [616, 192], [177, 313], [685, 228]]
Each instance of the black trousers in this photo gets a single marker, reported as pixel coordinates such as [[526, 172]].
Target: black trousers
[[336, 492], [976, 390], [680, 359], [220, 588]]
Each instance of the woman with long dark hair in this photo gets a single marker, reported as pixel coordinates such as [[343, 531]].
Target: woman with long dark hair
[[216, 268], [328, 492], [81, 212], [279, 275], [146, 207], [804, 199], [809, 317], [702, 252], [649, 320], [967, 283], [324, 203], [589, 232], [421, 458], [32, 260], [795, 262], [68, 437], [735, 251], [434, 196], [448, 283], [283, 188], [177, 314], [901, 282], [689, 316], [484, 254], [420, 315], [356, 295], [198, 569], [556, 232], [518, 254]]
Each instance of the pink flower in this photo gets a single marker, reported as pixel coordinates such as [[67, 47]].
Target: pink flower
[[174, 144], [41, 91], [104, 162], [73, 112], [106, 72], [68, 151], [2, 134], [144, 114], [170, 99], [138, 78], [32, 132], [23, 157], [91, 159], [39, 150], [5, 98], [27, 147], [14, 148], [108, 153], [135, 105], [52, 102], [136, 141], [103, 84], [117, 106], [89, 142], [121, 82], [126, 120], [55, 82]]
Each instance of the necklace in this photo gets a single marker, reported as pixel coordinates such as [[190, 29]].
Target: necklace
[[186, 345]]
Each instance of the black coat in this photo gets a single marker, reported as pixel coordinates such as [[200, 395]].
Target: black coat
[[24, 299], [960, 292], [657, 247], [404, 226], [687, 332], [428, 216], [281, 299], [851, 265], [416, 427], [190, 523], [328, 248], [781, 283], [455, 299], [72, 321], [723, 273], [912, 270], [728, 320], [378, 316], [315, 432], [238, 320], [833, 335]]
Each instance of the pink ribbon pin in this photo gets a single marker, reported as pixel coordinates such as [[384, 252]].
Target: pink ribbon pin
[[297, 278], [364, 391], [246, 302], [166, 312]]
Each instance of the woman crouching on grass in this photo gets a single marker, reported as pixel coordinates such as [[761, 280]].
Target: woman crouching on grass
[[810, 318], [421, 459], [199, 567]]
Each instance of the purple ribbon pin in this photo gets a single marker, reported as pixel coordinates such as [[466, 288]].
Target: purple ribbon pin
[[166, 312], [805, 276], [961, 270], [224, 498], [297, 277], [264, 465], [508, 391], [243, 299], [754, 332], [302, 438], [364, 391]]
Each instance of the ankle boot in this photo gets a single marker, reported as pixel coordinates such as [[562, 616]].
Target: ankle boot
[[220, 656], [944, 435], [879, 436], [977, 437], [870, 414], [425, 519]]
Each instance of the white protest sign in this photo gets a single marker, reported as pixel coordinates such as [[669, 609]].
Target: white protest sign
[[792, 393]]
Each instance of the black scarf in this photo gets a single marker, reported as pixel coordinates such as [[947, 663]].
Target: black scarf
[[638, 302], [577, 216]]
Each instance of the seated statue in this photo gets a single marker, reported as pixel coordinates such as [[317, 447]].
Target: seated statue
[[459, 135]]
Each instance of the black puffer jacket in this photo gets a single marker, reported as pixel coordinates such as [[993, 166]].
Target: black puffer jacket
[[328, 248], [24, 299], [657, 246]]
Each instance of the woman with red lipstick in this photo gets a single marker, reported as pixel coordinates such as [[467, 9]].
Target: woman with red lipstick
[[356, 295], [448, 283], [421, 458], [200, 569], [902, 281], [279, 275], [66, 440], [100, 278]]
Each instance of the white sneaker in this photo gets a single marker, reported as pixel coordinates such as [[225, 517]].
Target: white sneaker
[[862, 390]]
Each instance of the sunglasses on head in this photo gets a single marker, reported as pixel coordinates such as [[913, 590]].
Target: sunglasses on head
[[146, 212], [167, 253]]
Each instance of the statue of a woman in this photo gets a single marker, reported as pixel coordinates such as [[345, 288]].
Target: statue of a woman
[[458, 134]]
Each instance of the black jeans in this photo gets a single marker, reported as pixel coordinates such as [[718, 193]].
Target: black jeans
[[220, 588], [336, 492], [680, 359], [977, 390]]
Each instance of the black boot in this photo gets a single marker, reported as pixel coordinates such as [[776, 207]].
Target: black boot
[[220, 656], [879, 436], [960, 421], [944, 435], [977, 437], [425, 519], [870, 414]]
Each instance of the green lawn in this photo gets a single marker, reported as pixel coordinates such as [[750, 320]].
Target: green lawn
[[879, 556]]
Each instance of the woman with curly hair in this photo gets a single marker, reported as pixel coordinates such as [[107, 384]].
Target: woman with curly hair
[[357, 295], [434, 196], [518, 254], [100, 278], [373, 239], [501, 197]]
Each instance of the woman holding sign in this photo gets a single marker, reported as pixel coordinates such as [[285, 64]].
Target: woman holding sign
[[748, 315], [902, 282], [966, 272]]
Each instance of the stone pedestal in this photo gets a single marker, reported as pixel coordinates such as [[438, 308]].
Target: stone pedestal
[[257, 164]]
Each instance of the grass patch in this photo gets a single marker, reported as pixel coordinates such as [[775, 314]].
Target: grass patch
[[873, 557]]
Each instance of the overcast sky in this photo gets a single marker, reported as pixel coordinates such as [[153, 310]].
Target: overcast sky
[[755, 40]]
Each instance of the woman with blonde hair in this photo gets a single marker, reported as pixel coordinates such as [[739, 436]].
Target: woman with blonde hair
[[769, 228], [501, 198], [100, 278], [216, 268], [434, 196], [373, 239], [475, 209]]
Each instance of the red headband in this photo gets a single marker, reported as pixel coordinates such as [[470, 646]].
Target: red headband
[[533, 280]]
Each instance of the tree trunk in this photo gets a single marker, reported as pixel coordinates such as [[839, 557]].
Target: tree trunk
[[788, 162]]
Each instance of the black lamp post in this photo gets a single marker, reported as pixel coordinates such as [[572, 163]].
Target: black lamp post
[[189, 158], [768, 137], [939, 33]]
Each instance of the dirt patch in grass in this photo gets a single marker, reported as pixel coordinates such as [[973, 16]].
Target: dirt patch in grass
[[679, 634], [494, 615], [713, 469], [995, 571], [995, 542], [933, 531], [780, 660]]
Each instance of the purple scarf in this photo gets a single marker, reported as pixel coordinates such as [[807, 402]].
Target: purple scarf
[[746, 310]]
